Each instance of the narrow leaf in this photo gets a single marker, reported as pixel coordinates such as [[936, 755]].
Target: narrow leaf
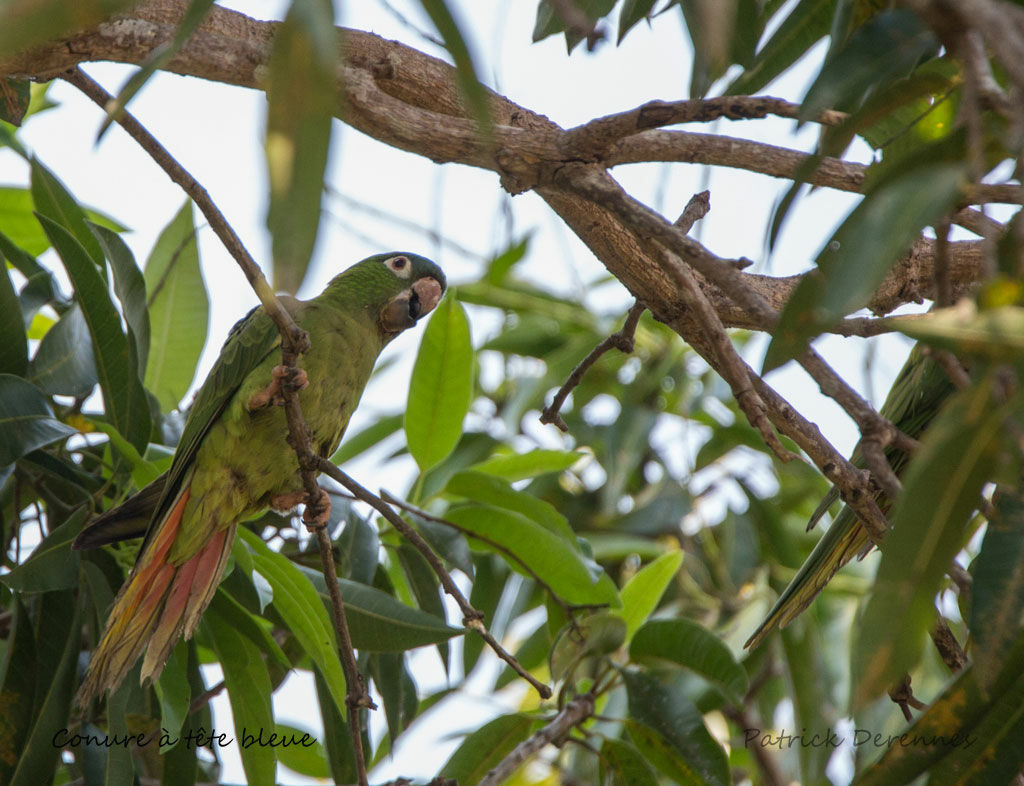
[[929, 527], [64, 362], [643, 591], [997, 591], [861, 252], [130, 286], [524, 543], [178, 310], [693, 646], [26, 421], [299, 605], [476, 94], [249, 688], [807, 23], [441, 385], [123, 396], [301, 101], [486, 747], [53, 200], [53, 565], [663, 708], [13, 344]]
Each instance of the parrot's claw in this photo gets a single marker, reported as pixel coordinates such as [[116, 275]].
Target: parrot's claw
[[318, 511], [281, 377]]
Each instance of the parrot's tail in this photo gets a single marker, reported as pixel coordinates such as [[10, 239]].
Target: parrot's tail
[[845, 539], [158, 603]]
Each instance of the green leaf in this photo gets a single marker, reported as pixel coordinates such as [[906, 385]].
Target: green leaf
[[26, 422], [17, 687], [441, 386], [680, 744], [15, 95], [477, 96], [997, 590], [520, 466], [632, 12], [482, 750], [883, 50], [21, 228], [861, 252], [968, 728], [249, 688], [805, 25], [26, 24], [378, 622], [178, 310], [995, 334], [302, 609], [491, 490], [623, 765], [13, 343], [929, 527], [598, 634], [302, 752], [130, 287], [337, 740], [693, 646], [64, 364], [18, 222], [53, 200], [643, 591], [123, 396], [524, 542], [58, 642], [172, 690], [301, 102], [53, 565], [233, 613], [362, 441]]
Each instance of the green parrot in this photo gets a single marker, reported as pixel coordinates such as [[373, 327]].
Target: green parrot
[[233, 461], [919, 391]]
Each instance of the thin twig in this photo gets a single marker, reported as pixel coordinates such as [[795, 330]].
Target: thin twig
[[948, 647], [698, 207], [472, 617], [726, 361], [592, 138], [294, 341], [621, 340], [577, 711]]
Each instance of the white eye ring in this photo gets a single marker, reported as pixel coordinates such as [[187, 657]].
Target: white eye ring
[[401, 266]]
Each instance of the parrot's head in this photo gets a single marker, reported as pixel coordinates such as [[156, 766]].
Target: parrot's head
[[398, 288]]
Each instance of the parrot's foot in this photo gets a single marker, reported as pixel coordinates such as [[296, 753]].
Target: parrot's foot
[[281, 377], [317, 511], [285, 502]]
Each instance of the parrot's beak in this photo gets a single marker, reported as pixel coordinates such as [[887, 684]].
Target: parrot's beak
[[410, 304]]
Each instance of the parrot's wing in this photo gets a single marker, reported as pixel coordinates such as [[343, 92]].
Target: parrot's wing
[[250, 341], [917, 393], [130, 519]]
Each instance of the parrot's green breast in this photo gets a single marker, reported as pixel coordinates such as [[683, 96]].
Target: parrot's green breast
[[244, 460]]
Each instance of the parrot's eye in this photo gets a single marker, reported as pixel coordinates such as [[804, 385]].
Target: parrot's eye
[[400, 266]]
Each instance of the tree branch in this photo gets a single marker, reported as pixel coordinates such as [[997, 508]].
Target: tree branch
[[294, 341]]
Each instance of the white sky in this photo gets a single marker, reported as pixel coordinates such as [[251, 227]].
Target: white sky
[[216, 132]]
